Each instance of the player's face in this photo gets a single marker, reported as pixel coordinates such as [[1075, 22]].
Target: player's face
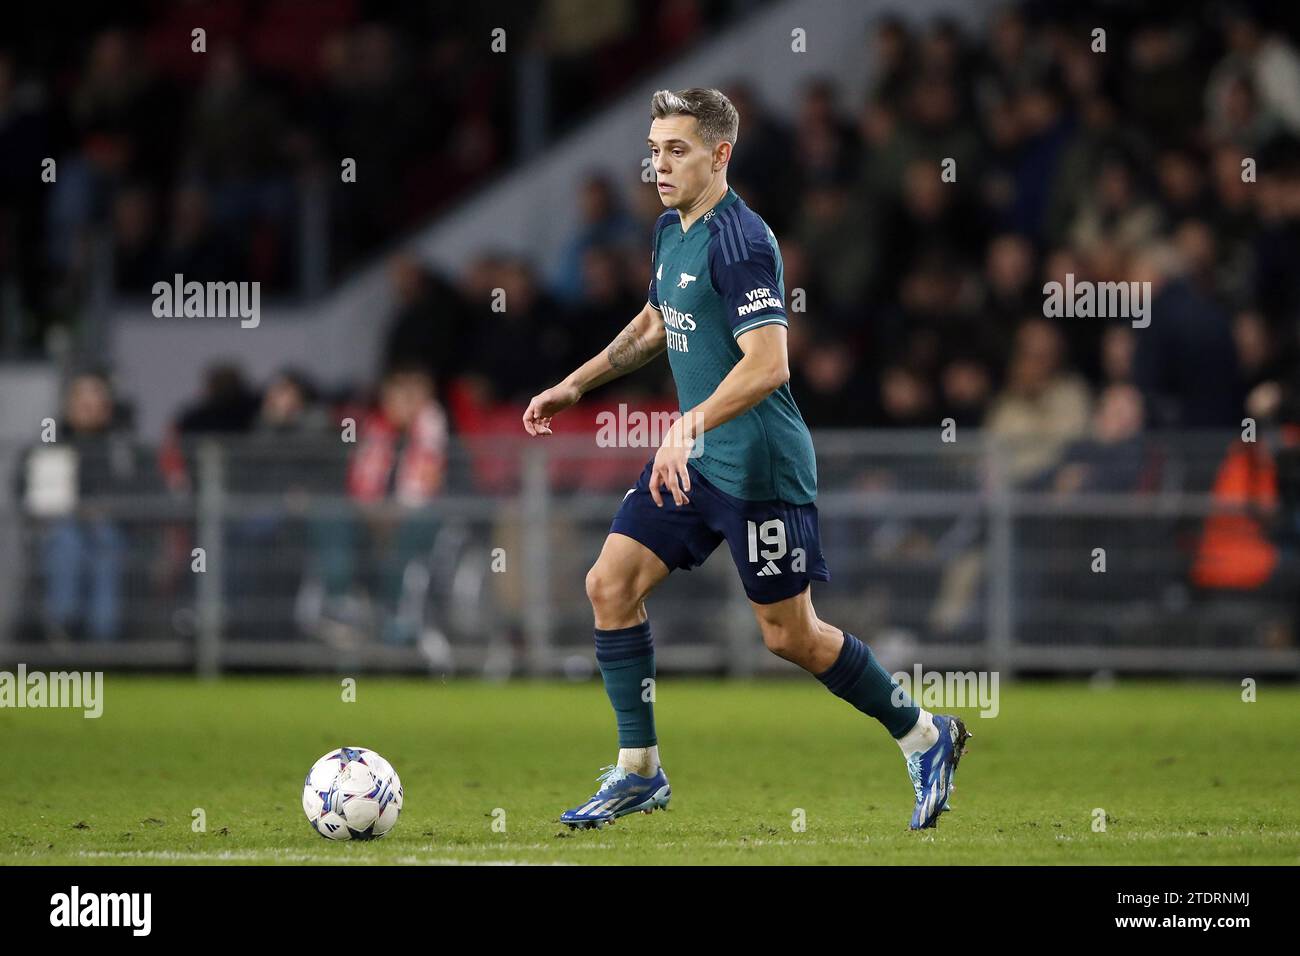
[[683, 164]]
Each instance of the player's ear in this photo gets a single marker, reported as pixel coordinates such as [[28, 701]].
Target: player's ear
[[721, 155]]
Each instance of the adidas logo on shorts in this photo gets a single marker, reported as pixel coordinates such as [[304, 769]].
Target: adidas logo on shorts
[[768, 570]]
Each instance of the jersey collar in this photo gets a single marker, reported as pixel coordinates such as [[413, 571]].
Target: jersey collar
[[727, 199]]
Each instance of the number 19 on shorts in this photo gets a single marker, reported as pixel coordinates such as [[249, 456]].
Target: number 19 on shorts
[[770, 533]]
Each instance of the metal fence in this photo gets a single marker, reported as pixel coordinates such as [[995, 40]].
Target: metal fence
[[252, 556]]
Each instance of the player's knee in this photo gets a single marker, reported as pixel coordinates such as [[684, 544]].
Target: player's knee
[[610, 593], [783, 640]]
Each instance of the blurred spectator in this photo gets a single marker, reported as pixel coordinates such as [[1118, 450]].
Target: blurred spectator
[[1185, 363], [1016, 57], [1099, 133], [137, 256], [966, 386], [1111, 459], [84, 549], [1234, 552], [1237, 117], [428, 321], [121, 123], [403, 444], [399, 467], [885, 156], [1161, 70], [193, 247], [762, 170], [368, 111], [1181, 182], [584, 38], [1031, 130], [825, 145], [286, 458], [1043, 407], [1261, 355], [943, 49], [235, 146], [607, 305], [907, 398], [1117, 211], [1234, 197], [1117, 348], [227, 404], [891, 58], [829, 383], [937, 293], [602, 223], [830, 231], [1009, 275], [1011, 289], [517, 341], [289, 407], [931, 220], [1258, 60], [1267, 258], [937, 128]]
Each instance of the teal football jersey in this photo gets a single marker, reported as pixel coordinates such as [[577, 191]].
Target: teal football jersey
[[713, 283]]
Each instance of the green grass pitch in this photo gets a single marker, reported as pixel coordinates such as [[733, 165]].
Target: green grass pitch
[[1185, 773]]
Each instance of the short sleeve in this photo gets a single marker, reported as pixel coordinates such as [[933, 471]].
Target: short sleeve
[[656, 267], [745, 276], [652, 296]]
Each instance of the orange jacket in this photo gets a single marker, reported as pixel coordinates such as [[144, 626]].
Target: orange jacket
[[1234, 550]]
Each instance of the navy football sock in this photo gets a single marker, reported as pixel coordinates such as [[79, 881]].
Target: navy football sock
[[857, 677], [627, 661]]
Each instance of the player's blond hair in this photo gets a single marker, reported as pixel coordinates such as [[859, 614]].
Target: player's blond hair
[[713, 112]]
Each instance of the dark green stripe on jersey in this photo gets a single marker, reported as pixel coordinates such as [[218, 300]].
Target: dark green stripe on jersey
[[713, 283]]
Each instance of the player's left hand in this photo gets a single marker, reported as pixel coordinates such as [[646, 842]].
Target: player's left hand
[[670, 467]]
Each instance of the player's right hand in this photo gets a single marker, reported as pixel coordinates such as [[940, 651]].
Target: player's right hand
[[546, 405]]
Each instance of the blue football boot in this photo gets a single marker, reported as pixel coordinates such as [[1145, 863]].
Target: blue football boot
[[620, 793], [932, 771]]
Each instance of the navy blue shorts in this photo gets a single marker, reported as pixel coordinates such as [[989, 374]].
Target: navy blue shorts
[[776, 546]]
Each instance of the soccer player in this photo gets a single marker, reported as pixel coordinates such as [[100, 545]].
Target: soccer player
[[738, 466]]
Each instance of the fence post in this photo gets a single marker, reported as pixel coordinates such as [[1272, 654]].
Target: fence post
[[210, 521], [534, 512], [1000, 560]]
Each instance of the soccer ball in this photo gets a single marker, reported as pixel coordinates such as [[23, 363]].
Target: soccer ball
[[352, 794]]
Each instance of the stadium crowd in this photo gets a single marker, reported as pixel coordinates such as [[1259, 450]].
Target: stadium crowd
[[922, 293], [218, 161], [925, 298]]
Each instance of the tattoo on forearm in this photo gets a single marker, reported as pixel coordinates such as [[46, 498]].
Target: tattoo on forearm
[[625, 352]]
